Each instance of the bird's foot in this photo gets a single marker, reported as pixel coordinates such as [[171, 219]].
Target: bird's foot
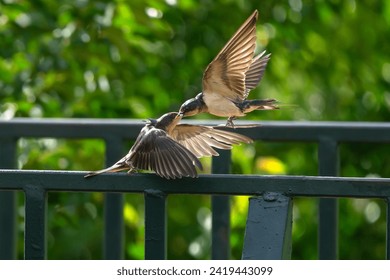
[[132, 170], [229, 122]]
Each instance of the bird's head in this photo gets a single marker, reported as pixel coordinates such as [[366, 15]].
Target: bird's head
[[168, 121], [192, 106]]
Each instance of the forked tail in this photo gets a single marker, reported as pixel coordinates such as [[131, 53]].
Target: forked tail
[[260, 104]]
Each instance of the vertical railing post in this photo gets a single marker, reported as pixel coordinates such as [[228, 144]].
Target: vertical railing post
[[328, 158], [35, 223], [155, 225], [8, 232], [113, 208], [221, 211], [268, 228], [388, 229]]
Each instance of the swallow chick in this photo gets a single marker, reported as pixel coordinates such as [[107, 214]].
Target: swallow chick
[[229, 78], [172, 149], [155, 150]]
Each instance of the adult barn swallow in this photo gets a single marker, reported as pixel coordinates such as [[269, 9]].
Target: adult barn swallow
[[171, 149], [228, 79]]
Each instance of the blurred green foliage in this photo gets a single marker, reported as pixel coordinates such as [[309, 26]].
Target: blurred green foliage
[[140, 59]]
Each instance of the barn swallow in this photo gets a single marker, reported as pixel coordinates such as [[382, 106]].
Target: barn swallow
[[228, 79], [155, 150], [171, 149]]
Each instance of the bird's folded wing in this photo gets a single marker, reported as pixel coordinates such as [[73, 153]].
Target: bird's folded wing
[[225, 75], [255, 72], [201, 140], [160, 153]]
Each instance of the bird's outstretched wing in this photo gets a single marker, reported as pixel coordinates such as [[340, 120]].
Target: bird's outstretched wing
[[255, 72], [225, 75], [160, 153], [154, 150], [201, 140]]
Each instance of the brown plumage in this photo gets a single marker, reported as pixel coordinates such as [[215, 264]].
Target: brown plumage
[[171, 149], [201, 140], [228, 79], [155, 150]]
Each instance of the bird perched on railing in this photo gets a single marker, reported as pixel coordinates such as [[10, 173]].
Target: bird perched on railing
[[172, 149], [228, 79]]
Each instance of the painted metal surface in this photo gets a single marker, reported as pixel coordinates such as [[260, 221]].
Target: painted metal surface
[[36, 184], [268, 228]]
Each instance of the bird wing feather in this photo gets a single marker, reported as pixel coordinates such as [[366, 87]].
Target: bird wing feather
[[255, 72], [154, 150], [160, 153], [225, 75], [201, 140]]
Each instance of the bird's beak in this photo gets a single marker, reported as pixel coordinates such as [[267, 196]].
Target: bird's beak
[[181, 114], [149, 121]]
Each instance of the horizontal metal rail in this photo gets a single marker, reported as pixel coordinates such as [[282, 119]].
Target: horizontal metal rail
[[308, 186], [35, 184], [267, 130]]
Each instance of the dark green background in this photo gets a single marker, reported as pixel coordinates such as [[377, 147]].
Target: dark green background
[[140, 59]]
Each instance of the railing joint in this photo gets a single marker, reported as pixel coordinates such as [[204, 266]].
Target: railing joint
[[155, 193]]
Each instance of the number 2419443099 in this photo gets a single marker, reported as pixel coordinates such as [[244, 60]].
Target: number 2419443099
[[247, 270]]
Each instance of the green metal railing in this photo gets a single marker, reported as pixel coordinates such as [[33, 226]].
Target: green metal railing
[[267, 190]]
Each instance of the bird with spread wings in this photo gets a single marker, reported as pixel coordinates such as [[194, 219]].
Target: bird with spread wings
[[172, 149], [229, 78]]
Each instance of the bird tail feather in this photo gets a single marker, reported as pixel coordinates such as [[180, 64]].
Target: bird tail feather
[[111, 169], [262, 104]]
